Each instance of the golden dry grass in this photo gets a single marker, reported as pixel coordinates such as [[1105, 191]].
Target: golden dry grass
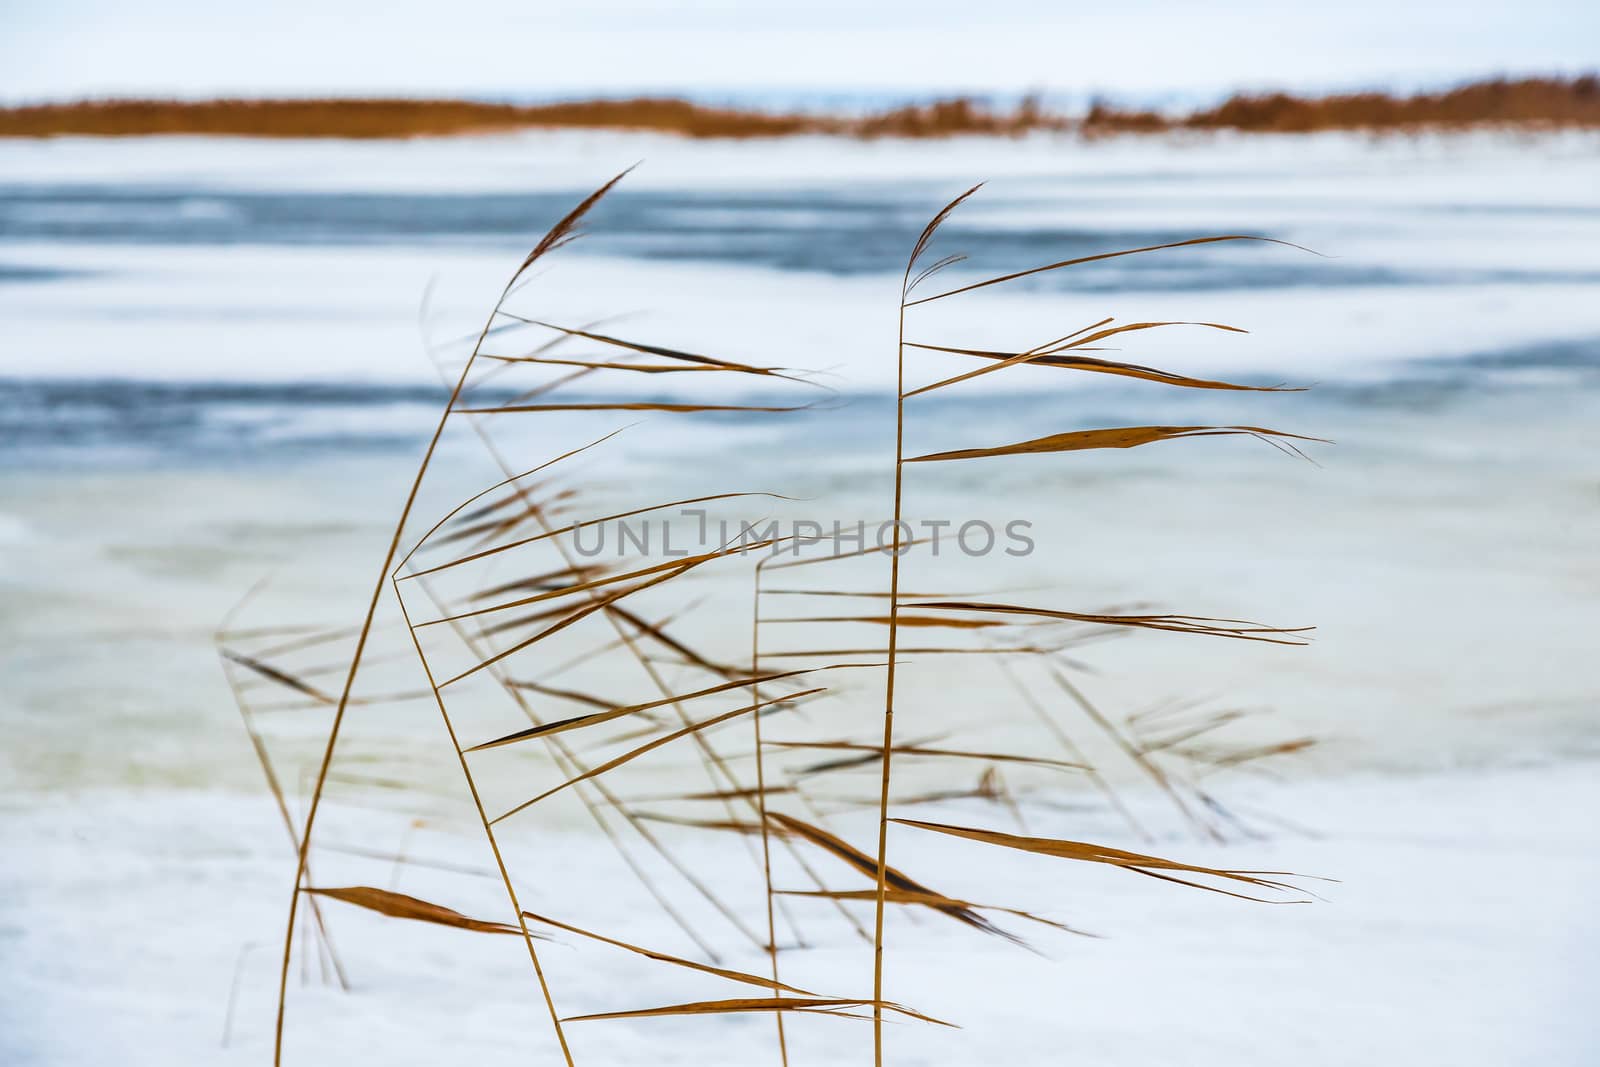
[[1526, 102], [1522, 103], [494, 617]]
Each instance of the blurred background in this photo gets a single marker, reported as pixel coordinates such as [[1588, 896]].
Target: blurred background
[[237, 248]]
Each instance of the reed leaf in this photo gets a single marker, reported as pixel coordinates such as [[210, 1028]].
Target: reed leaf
[[867, 866], [281, 677], [538, 583], [754, 1004], [572, 527], [578, 722], [1092, 365], [927, 900], [1192, 624], [919, 750], [1129, 861], [633, 754], [637, 368], [1120, 437], [641, 405], [400, 906], [663, 957], [1193, 241], [903, 620], [709, 362], [670, 567]]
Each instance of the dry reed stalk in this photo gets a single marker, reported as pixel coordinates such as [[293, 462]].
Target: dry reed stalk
[[1061, 353], [498, 620], [533, 509], [494, 845], [600, 601], [761, 795], [614, 612], [258, 746], [571, 764], [561, 233]]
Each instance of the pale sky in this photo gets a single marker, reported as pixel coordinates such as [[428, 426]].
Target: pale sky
[[54, 49]]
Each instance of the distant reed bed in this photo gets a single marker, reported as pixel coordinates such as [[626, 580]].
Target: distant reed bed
[[1527, 103]]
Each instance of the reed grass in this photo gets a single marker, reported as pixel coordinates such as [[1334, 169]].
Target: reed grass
[[493, 599], [1058, 353], [559, 234], [1528, 103], [1522, 103]]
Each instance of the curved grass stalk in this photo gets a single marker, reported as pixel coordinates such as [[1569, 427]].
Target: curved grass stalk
[[761, 798], [709, 757], [488, 830], [540, 602], [894, 639], [1081, 259], [571, 765], [533, 509], [562, 232], [894, 623], [258, 745], [1061, 353], [616, 615], [489, 662]]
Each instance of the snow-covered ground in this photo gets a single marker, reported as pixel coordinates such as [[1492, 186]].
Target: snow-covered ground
[[1461, 932]]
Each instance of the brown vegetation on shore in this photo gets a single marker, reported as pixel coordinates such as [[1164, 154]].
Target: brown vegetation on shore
[[1524, 103], [1529, 102], [381, 118]]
